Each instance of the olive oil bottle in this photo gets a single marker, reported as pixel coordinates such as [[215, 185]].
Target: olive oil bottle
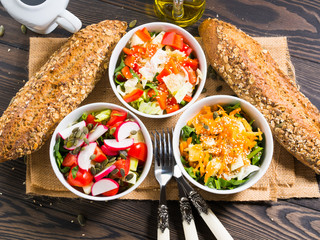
[[181, 12]]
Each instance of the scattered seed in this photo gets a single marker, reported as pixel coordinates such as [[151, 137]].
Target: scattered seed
[[81, 220], [111, 160], [93, 170], [215, 115], [90, 126], [75, 142], [85, 130], [204, 90], [114, 171], [1, 30], [23, 29], [132, 23], [104, 164], [122, 172], [98, 165], [78, 135], [129, 176], [69, 144], [86, 141], [112, 130], [123, 154], [206, 127], [75, 130], [93, 156], [76, 150], [219, 88], [133, 132]]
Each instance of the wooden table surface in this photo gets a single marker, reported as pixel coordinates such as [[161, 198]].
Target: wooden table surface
[[27, 217]]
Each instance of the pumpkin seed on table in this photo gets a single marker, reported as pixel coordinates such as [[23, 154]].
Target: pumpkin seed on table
[[132, 23], [23, 29], [81, 220], [1, 30]]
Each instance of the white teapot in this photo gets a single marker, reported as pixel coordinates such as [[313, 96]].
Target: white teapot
[[42, 18]]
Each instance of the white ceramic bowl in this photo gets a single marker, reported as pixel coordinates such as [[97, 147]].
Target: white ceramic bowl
[[252, 112], [157, 27], [76, 114]]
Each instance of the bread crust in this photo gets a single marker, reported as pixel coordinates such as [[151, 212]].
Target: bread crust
[[253, 75], [61, 84]]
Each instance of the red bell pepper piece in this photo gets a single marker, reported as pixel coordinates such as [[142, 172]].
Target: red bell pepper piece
[[187, 98], [134, 95], [143, 34], [172, 108], [130, 60], [168, 38], [126, 72], [127, 51], [178, 42], [186, 49], [192, 75], [193, 63], [163, 73]]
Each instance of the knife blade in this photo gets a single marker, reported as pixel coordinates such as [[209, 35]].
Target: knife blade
[[214, 224]]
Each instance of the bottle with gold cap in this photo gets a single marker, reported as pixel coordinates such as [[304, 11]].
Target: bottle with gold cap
[[181, 12]]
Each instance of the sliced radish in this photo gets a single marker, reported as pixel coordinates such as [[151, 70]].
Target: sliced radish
[[114, 145], [124, 130], [107, 151], [104, 185], [104, 173], [99, 131], [85, 154], [87, 189], [65, 133]]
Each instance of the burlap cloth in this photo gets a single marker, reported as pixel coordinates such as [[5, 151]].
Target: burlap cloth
[[286, 177]]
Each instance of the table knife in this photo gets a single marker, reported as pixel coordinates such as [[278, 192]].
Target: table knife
[[200, 204], [189, 227]]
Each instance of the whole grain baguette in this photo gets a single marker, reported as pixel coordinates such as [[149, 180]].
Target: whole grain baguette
[[254, 76], [57, 88]]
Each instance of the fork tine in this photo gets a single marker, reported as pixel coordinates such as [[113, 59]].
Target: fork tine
[[165, 147], [160, 152], [169, 148], [155, 146]]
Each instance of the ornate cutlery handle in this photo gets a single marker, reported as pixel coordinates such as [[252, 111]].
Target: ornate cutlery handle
[[189, 227], [163, 222], [216, 227]]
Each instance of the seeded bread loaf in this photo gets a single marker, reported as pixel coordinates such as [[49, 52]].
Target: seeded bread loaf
[[254, 76], [57, 88]]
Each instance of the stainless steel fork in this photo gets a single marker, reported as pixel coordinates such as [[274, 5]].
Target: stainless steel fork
[[163, 170]]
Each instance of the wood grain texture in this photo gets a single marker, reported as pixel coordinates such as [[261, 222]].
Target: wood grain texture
[[27, 217]]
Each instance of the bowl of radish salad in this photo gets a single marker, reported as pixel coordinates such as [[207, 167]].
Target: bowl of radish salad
[[101, 151], [157, 70], [222, 144]]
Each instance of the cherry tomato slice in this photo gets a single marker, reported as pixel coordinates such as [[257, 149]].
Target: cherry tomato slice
[[139, 151], [116, 116], [91, 119], [122, 164], [69, 160], [100, 156], [111, 192], [83, 178]]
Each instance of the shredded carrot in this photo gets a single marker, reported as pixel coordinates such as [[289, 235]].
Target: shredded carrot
[[227, 139]]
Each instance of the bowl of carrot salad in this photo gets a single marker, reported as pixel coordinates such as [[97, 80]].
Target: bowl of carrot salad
[[223, 144]]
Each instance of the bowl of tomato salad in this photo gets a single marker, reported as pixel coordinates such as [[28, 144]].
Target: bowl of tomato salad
[[101, 151], [223, 144], [157, 70]]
